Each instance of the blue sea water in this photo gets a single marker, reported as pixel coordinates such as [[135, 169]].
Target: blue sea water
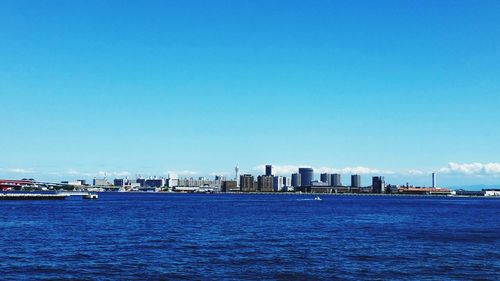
[[144, 236]]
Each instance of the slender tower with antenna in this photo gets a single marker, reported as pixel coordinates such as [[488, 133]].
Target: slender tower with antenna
[[237, 175]]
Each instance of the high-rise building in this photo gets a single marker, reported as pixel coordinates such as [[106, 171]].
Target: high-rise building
[[378, 185], [325, 178], [246, 183], [119, 182], [306, 176], [265, 183], [335, 180], [434, 180], [269, 170], [278, 183], [287, 181], [355, 181], [237, 175], [295, 180], [219, 179]]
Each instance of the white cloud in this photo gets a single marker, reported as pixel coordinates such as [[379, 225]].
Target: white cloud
[[492, 168], [114, 174], [474, 168], [73, 172], [19, 170], [415, 172], [289, 169], [183, 173], [218, 174]]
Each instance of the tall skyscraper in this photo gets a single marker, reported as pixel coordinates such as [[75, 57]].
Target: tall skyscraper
[[378, 185], [287, 181], [265, 183], [278, 183], [324, 177], [335, 180], [434, 180], [237, 175], [246, 182], [355, 181], [295, 180], [306, 176], [269, 170]]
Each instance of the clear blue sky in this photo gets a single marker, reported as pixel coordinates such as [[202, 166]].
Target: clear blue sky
[[154, 86]]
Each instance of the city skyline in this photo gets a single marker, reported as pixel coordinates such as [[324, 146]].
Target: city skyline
[[446, 175], [396, 89]]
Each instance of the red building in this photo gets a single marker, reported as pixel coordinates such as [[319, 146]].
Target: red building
[[6, 185]]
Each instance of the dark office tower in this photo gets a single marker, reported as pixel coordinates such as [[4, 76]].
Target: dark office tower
[[265, 183], [246, 183], [269, 170], [118, 182], [378, 185], [286, 181], [306, 176], [325, 178], [335, 180], [355, 181], [296, 180]]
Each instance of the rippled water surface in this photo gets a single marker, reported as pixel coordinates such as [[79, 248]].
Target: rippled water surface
[[125, 236]]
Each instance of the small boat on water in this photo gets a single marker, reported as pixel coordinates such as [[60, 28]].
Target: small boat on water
[[90, 196], [317, 198]]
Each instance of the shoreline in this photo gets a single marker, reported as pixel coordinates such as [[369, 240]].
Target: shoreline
[[306, 193]]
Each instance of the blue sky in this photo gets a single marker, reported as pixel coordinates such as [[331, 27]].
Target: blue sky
[[401, 88]]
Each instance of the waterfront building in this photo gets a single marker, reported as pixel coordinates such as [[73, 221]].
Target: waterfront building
[[423, 190], [101, 182], [462, 192], [325, 177], [255, 186], [172, 182], [378, 185], [154, 182], [335, 180], [265, 183], [269, 170], [229, 186], [141, 181], [491, 192], [247, 183], [287, 181], [295, 181], [434, 180], [119, 182], [72, 183], [320, 187], [356, 181], [219, 179], [306, 176], [278, 183]]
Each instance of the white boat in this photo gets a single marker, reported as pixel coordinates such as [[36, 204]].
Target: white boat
[[317, 198], [90, 196]]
